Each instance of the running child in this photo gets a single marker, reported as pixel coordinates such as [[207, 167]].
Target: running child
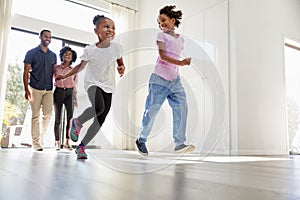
[[165, 83], [99, 59]]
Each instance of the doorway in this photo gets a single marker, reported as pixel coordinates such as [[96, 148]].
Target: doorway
[[292, 84], [16, 123]]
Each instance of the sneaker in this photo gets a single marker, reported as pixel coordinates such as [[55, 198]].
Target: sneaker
[[294, 150], [57, 146], [183, 148], [74, 129], [141, 147], [37, 147], [80, 151], [67, 146]]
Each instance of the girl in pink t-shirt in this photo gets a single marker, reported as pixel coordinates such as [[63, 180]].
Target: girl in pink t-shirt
[[165, 82]]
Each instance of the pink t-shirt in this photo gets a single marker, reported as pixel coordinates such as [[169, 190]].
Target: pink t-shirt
[[69, 82], [173, 49]]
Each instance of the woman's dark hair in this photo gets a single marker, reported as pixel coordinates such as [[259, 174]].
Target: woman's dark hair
[[98, 18], [64, 50], [170, 12]]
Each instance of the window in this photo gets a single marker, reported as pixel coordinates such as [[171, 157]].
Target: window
[[60, 12], [17, 113], [69, 15], [292, 83], [79, 50]]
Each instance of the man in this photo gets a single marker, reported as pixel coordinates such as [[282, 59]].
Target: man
[[39, 63]]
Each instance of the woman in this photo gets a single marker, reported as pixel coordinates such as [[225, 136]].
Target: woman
[[64, 94]]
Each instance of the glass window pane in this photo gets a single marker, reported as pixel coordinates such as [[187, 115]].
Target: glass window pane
[[17, 114], [59, 12], [80, 85]]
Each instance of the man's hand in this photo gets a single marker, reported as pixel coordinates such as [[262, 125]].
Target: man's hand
[[27, 95], [121, 70]]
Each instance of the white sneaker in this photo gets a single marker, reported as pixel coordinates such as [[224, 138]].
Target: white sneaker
[[294, 151], [184, 148], [69, 147], [57, 146], [37, 147]]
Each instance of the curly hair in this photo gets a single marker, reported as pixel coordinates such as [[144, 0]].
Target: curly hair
[[98, 18], [64, 50], [170, 12]]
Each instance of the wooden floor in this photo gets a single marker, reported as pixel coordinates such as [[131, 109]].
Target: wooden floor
[[109, 174]]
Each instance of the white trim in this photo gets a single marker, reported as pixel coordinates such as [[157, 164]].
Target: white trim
[[258, 152], [5, 23], [285, 94], [129, 4], [220, 152], [287, 40], [97, 4], [233, 97], [291, 40]]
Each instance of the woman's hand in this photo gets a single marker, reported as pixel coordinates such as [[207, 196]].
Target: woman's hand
[[59, 77], [75, 103]]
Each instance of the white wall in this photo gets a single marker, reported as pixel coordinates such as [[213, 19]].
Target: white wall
[[257, 30]]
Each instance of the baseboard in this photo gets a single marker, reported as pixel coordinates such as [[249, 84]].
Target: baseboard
[[216, 152], [258, 152]]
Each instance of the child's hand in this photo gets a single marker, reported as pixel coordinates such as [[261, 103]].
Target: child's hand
[[121, 70], [75, 103], [186, 61]]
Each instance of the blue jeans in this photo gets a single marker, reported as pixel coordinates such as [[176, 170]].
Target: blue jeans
[[160, 90]]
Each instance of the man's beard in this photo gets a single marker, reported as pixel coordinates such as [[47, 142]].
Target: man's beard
[[45, 43]]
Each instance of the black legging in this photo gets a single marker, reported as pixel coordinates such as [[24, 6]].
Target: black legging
[[101, 102], [62, 96]]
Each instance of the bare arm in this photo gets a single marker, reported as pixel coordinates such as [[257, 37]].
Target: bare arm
[[27, 68], [75, 70], [121, 67], [164, 57], [75, 91]]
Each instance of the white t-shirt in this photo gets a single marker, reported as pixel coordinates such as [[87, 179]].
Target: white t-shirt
[[100, 70]]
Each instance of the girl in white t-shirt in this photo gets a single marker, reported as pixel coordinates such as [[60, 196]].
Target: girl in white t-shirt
[[99, 81]]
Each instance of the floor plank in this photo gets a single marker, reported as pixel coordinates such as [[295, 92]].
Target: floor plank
[[113, 174]]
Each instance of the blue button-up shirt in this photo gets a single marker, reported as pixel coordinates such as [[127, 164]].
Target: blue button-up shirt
[[41, 74]]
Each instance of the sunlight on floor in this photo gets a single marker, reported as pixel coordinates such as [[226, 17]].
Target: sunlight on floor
[[161, 158]]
